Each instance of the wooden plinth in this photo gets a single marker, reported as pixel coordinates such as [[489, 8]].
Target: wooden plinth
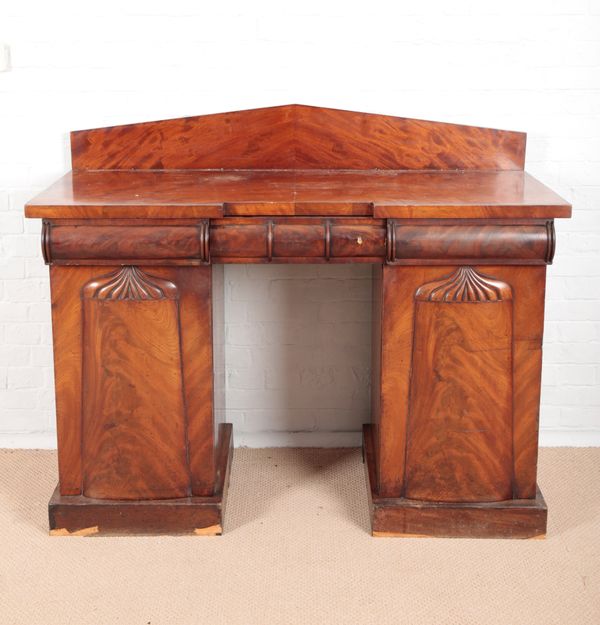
[[517, 518], [203, 516]]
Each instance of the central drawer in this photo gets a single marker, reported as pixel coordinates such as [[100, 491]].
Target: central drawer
[[315, 241]]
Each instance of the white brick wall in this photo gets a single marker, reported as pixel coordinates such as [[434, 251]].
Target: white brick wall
[[301, 377], [298, 351]]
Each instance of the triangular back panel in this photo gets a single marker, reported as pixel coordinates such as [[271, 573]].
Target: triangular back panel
[[297, 137]]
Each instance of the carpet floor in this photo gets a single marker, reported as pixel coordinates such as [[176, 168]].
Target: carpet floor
[[297, 550]]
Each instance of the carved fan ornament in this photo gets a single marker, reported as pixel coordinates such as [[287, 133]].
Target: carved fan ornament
[[130, 283], [464, 285]]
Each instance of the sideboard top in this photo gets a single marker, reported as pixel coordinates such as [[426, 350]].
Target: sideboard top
[[297, 160], [203, 194]]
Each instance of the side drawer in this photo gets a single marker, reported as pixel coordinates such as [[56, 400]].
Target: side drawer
[[119, 244], [527, 244]]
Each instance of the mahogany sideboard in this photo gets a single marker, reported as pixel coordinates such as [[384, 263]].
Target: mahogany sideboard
[[458, 236]]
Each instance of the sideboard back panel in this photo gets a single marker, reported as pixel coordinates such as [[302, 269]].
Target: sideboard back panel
[[297, 137]]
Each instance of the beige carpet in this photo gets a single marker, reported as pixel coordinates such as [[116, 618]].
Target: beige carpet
[[297, 550]]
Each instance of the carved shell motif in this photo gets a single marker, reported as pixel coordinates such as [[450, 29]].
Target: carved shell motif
[[129, 283], [464, 285]]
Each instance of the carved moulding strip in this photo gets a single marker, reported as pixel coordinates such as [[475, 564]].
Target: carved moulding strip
[[390, 241], [46, 249], [129, 283], [551, 235], [270, 237], [205, 241], [327, 239], [464, 285]]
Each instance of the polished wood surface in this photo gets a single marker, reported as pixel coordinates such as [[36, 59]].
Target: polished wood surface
[[132, 345], [297, 137], [67, 336], [463, 243], [459, 237], [201, 194], [162, 244], [395, 319], [131, 329], [402, 517], [459, 429], [199, 516], [299, 239]]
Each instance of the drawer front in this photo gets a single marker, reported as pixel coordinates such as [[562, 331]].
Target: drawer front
[[121, 244], [286, 241], [529, 244], [358, 241], [237, 242], [299, 240]]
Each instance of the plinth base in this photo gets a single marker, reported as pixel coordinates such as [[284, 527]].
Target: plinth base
[[75, 515], [517, 518]]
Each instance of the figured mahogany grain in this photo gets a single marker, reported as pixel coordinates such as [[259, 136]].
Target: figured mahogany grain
[[67, 335], [519, 244], [528, 287], [215, 301], [455, 229], [140, 242], [195, 285], [131, 346], [401, 517], [202, 194], [298, 240], [348, 140], [239, 241], [198, 516], [352, 241], [459, 431], [397, 289], [375, 444], [244, 139], [296, 137]]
